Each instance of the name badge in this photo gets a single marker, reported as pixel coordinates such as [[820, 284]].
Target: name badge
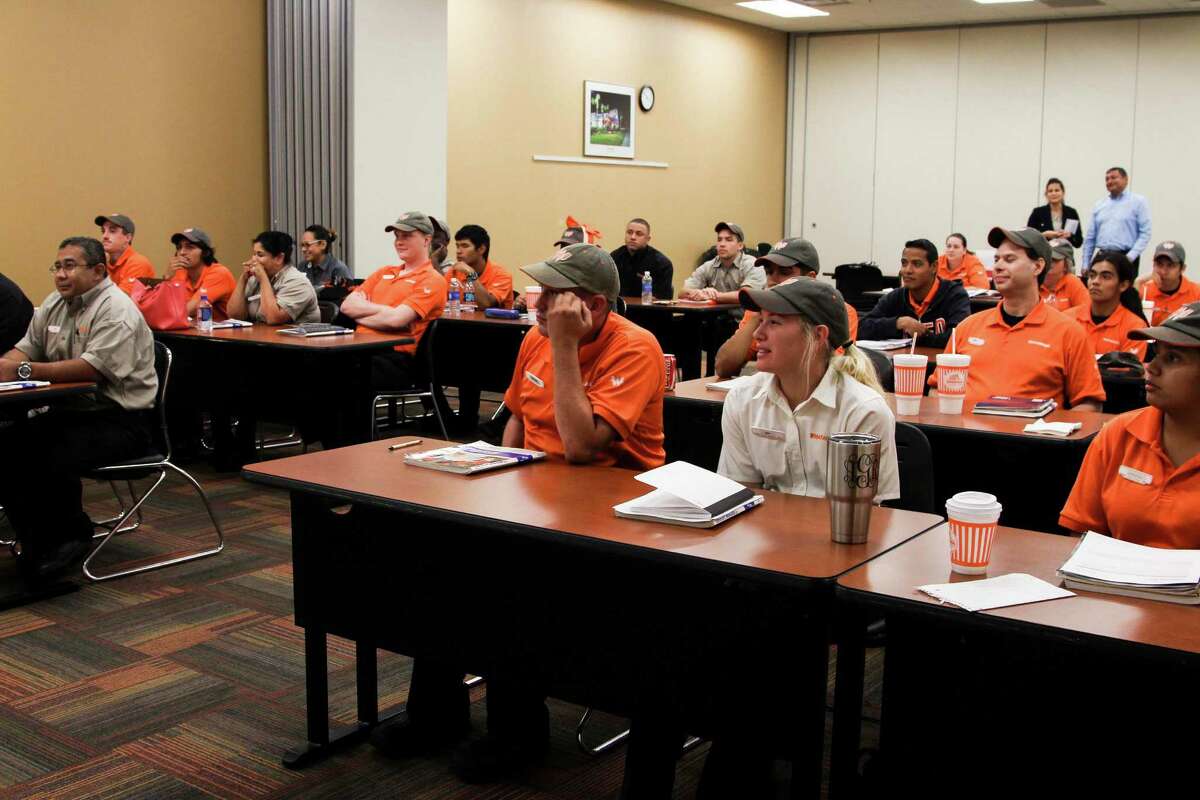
[[535, 380], [387, 276], [53, 328], [1039, 344], [768, 433], [1135, 475], [975, 340]]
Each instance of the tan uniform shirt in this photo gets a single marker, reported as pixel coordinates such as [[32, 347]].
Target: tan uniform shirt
[[104, 328], [293, 292], [742, 272]]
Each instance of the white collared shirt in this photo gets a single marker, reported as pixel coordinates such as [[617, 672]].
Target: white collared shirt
[[783, 449]]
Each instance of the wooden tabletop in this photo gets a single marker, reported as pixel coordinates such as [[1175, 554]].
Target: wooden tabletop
[[787, 536], [926, 560], [45, 393], [696, 391], [480, 317], [679, 306], [261, 335]]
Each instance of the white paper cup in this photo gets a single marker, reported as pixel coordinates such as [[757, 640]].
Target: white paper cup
[[909, 372], [1148, 310], [532, 294], [973, 517], [952, 369]]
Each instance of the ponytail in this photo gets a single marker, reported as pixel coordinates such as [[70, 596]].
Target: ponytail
[[1125, 272], [854, 363]]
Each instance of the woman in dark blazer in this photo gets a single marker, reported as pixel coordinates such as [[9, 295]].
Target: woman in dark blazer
[[1051, 219]]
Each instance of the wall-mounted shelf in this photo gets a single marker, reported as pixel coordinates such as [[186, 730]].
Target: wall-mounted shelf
[[610, 162]]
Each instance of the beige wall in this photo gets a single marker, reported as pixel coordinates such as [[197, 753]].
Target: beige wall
[[154, 108], [516, 89]]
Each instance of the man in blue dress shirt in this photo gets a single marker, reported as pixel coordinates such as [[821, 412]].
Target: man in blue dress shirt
[[1120, 221]]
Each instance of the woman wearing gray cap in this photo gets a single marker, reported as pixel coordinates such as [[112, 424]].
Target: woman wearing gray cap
[[1140, 479]]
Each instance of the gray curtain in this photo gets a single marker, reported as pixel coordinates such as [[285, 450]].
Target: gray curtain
[[308, 88]]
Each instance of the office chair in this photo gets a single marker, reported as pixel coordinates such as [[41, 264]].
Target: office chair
[[158, 462], [914, 457], [423, 388]]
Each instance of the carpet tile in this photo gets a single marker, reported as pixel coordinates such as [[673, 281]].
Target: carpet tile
[[175, 623], [111, 777], [29, 749], [48, 657]]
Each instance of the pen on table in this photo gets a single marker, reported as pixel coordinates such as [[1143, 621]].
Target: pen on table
[[402, 445]]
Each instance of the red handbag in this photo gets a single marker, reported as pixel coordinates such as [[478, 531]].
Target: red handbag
[[164, 305]]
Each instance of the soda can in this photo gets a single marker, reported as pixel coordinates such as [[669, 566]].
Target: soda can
[[672, 371]]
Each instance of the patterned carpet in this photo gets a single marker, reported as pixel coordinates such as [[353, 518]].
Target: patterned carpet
[[188, 681]]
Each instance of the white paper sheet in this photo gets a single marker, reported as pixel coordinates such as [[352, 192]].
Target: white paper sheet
[[883, 344], [725, 386], [694, 484], [1104, 558], [1061, 429], [1071, 226], [1014, 589]]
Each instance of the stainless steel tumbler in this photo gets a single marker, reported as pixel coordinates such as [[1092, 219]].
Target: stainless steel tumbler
[[851, 479]]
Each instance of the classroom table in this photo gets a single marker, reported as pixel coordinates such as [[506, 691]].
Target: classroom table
[[970, 451], [276, 373], [980, 302], [677, 324], [17, 399], [1044, 694], [726, 628], [478, 350]]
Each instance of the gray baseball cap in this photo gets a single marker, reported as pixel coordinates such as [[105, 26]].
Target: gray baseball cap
[[441, 226], [1022, 237], [733, 228], [117, 219], [193, 235], [1172, 250], [1181, 328], [572, 236], [411, 221], [789, 252], [578, 266], [1063, 252], [817, 302]]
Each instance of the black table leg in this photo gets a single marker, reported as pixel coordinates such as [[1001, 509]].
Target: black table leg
[[847, 704], [366, 680], [809, 753]]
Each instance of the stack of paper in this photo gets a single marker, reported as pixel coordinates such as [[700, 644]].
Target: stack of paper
[[725, 386], [685, 494], [883, 344], [467, 459], [1103, 564], [1059, 429]]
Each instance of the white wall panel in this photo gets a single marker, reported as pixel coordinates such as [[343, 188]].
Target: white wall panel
[[1166, 159], [1091, 78], [914, 142], [794, 224], [839, 147], [399, 119], [999, 129]]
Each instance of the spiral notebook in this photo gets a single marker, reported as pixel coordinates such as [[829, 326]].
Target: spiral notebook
[[685, 494]]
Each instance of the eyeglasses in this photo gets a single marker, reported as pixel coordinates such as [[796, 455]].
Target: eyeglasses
[[67, 266]]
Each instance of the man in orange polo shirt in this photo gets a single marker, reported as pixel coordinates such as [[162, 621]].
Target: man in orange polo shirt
[[1167, 287], [493, 284], [1140, 479], [400, 297], [196, 267], [125, 265], [1023, 347], [1061, 288]]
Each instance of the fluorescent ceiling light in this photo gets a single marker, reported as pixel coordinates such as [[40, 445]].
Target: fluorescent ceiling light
[[997, 2], [783, 8]]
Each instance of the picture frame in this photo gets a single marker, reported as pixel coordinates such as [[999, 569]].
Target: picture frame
[[609, 112]]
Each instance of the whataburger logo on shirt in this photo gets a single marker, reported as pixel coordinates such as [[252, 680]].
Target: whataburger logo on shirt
[[617, 380]]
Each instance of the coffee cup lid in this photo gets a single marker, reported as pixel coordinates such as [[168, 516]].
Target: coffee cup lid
[[974, 501]]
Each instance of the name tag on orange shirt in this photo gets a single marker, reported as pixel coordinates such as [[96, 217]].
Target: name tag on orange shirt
[[535, 380], [1135, 475], [975, 340]]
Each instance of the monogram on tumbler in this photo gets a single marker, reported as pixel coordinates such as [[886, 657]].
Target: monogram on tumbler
[[851, 480]]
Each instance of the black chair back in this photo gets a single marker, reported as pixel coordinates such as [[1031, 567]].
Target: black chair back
[[883, 368], [620, 307], [329, 310], [915, 458], [854, 279], [162, 368]]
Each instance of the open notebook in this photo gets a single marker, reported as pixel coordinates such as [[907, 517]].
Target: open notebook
[[685, 494]]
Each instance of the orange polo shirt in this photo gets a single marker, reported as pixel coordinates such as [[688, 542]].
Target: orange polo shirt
[[1044, 355], [623, 377], [423, 289], [1069, 293], [1167, 304], [495, 279], [1129, 489], [970, 271], [219, 282], [130, 266], [1113, 333], [851, 314]]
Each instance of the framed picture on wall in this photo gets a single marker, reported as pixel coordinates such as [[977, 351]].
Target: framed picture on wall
[[608, 120]]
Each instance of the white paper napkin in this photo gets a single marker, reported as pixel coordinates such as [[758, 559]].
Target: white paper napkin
[[1014, 589]]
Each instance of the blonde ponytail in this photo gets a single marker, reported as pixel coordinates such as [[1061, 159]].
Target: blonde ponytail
[[854, 362]]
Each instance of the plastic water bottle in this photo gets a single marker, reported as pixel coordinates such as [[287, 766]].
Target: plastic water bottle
[[647, 289], [469, 295], [204, 313], [452, 298]]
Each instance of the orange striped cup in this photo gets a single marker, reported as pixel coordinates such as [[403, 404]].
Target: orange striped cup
[[909, 374], [973, 518]]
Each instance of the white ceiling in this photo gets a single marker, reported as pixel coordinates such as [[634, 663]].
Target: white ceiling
[[845, 15]]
